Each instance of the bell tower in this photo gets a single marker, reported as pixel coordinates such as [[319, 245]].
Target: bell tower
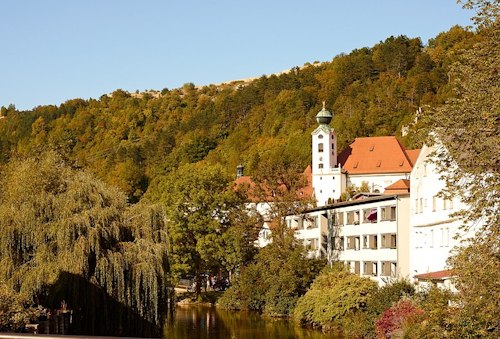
[[327, 177]]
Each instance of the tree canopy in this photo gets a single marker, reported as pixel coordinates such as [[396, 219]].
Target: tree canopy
[[128, 139], [467, 127], [58, 221]]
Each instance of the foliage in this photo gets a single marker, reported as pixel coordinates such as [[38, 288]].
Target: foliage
[[209, 229], [127, 140], [57, 221], [272, 284], [467, 127], [439, 306], [397, 319], [15, 311], [334, 297]]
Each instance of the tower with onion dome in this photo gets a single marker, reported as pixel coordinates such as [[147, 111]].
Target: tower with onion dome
[[327, 177]]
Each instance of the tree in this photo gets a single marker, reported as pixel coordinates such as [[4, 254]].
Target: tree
[[281, 271], [63, 227], [15, 310], [202, 207], [467, 126]]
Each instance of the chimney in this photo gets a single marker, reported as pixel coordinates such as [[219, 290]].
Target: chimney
[[239, 171]]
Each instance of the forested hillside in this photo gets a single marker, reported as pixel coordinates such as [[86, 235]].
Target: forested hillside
[[127, 140]]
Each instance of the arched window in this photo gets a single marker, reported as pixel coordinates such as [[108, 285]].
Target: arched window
[[320, 136], [320, 148]]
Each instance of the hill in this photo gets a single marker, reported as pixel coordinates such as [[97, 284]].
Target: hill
[[129, 139]]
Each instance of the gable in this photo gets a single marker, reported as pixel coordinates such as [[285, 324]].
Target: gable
[[377, 155]]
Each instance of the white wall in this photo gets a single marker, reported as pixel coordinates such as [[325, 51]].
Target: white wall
[[432, 228]]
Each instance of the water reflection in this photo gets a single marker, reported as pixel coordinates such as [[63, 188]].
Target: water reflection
[[199, 322]]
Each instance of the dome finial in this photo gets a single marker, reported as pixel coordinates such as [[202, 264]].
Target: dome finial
[[324, 117]]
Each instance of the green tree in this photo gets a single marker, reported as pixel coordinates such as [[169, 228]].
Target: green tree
[[467, 127], [202, 206]]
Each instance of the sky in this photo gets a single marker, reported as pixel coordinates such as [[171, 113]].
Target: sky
[[56, 50]]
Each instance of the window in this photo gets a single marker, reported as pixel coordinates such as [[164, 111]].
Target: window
[[365, 241], [431, 240], [314, 223], [393, 212], [350, 218], [451, 204], [373, 242], [445, 204], [320, 136], [389, 241], [388, 213], [340, 243], [434, 204], [356, 243], [370, 268], [320, 147], [416, 206], [421, 205], [320, 166], [313, 244], [393, 241], [394, 268]]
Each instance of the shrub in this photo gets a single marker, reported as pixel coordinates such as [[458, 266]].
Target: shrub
[[395, 320], [334, 295], [15, 310]]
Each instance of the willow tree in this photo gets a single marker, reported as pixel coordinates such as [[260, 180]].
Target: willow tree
[[468, 126], [62, 230]]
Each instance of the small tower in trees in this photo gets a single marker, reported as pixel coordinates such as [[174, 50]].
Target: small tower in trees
[[327, 176]]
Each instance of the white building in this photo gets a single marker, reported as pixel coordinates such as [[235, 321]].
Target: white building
[[434, 232], [376, 161]]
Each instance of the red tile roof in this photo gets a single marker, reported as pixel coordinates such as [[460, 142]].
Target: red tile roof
[[306, 191], [438, 275], [377, 155], [400, 186]]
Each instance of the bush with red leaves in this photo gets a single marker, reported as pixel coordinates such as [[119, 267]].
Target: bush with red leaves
[[396, 318]]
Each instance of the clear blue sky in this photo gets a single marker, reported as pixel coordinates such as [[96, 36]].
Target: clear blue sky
[[55, 50]]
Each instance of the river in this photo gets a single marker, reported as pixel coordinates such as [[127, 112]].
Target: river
[[203, 322]]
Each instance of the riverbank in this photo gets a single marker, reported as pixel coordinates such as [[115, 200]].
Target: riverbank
[[208, 298]]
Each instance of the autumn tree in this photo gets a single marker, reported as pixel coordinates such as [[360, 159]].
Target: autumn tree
[[468, 126]]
